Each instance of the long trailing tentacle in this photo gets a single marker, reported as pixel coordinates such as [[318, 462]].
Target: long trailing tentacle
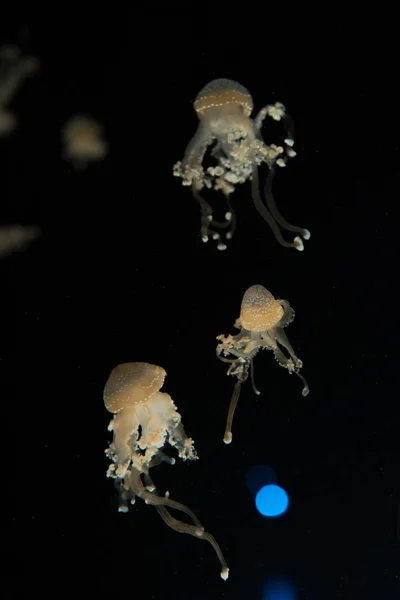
[[231, 411], [189, 529], [274, 209], [293, 365], [264, 212], [253, 385], [152, 498], [278, 113]]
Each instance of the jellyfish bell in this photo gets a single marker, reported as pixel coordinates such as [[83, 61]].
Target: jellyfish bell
[[132, 383], [259, 310]]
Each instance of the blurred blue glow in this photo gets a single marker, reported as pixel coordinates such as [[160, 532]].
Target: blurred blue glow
[[279, 590], [258, 476], [272, 501]]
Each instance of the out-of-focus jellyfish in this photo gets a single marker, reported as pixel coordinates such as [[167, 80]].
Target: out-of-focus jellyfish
[[14, 69], [144, 420], [224, 107], [83, 141], [261, 323], [16, 237]]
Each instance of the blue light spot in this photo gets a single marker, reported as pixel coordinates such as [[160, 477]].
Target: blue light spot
[[272, 501], [279, 590], [258, 476]]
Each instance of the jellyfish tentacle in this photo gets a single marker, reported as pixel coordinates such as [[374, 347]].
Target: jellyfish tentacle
[[180, 527], [255, 390], [208, 222], [268, 217], [288, 313], [156, 500], [232, 407], [269, 196]]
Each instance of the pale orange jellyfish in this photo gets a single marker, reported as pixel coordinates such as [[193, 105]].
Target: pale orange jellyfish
[[261, 323], [14, 69], [83, 141], [16, 237], [144, 421], [237, 148]]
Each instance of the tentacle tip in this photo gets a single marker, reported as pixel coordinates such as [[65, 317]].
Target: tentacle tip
[[228, 437], [204, 239], [229, 235], [306, 234], [221, 246], [123, 509], [200, 531], [298, 243], [225, 574], [305, 391]]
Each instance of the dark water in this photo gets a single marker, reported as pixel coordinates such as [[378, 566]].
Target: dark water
[[119, 274]]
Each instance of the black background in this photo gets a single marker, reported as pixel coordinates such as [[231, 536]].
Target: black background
[[120, 274]]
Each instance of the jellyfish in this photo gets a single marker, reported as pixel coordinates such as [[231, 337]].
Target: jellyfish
[[16, 237], [261, 323], [83, 141], [14, 69], [144, 421], [237, 149]]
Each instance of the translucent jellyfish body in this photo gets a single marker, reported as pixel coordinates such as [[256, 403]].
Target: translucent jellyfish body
[[83, 141], [144, 421], [14, 69], [237, 149], [261, 323], [16, 237]]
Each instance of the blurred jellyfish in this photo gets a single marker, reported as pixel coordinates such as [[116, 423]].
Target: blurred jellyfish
[[16, 238], [83, 141], [144, 421], [237, 147], [261, 323], [14, 69]]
